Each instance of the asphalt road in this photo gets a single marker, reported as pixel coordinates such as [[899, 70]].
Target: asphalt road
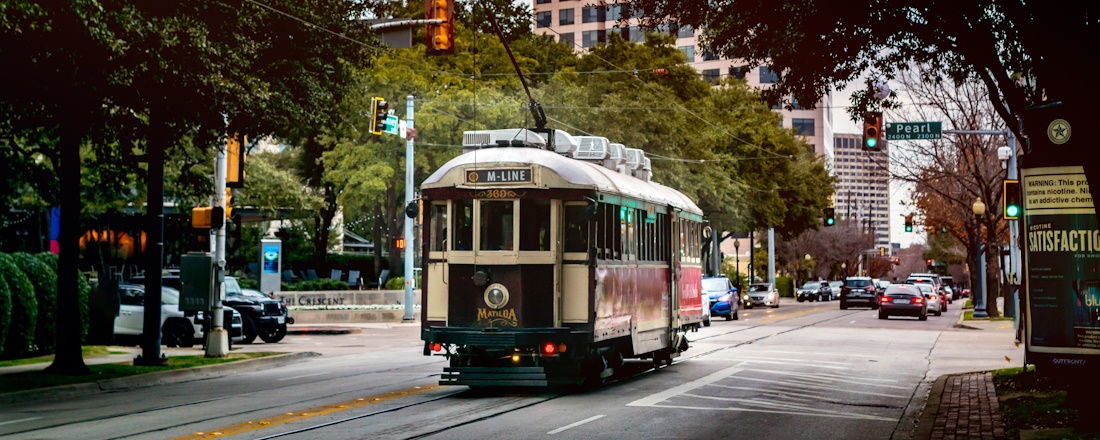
[[802, 370]]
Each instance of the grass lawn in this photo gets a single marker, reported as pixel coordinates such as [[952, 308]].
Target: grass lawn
[[969, 316], [86, 351], [37, 379], [1030, 401]]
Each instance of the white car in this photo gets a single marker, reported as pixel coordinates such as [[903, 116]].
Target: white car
[[761, 294], [935, 303], [176, 329]]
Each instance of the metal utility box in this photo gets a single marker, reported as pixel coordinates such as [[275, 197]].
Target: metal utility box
[[196, 281], [271, 264]]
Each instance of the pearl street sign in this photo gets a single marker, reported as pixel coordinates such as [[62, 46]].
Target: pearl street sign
[[905, 131]]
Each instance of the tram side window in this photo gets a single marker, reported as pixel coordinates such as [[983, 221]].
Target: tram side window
[[601, 231], [534, 225], [439, 226], [462, 224], [496, 225], [576, 228], [615, 233]]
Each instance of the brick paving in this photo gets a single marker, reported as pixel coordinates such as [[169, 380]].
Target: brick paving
[[969, 409]]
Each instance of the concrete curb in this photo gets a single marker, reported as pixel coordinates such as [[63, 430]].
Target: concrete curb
[[155, 378], [324, 331], [931, 409]]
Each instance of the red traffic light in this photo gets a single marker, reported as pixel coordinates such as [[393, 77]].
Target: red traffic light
[[897, 260]]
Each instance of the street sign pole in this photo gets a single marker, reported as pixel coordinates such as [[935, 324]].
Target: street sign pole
[[409, 246]]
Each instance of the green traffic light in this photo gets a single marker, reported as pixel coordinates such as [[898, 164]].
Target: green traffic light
[[908, 228], [831, 221], [1012, 211], [871, 142]]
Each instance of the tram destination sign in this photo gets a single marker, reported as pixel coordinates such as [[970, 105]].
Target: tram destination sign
[[501, 175], [907, 131]]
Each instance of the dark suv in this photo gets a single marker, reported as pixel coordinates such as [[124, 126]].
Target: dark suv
[[263, 316], [859, 291]]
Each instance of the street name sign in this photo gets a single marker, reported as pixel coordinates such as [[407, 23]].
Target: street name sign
[[391, 124], [906, 131]]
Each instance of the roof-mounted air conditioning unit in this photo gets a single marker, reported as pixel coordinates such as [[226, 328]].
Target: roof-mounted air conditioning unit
[[509, 137]]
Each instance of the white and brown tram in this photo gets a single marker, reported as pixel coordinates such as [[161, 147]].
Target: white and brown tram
[[551, 258]]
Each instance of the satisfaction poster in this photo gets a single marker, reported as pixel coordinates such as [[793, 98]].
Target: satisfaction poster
[[1063, 254]]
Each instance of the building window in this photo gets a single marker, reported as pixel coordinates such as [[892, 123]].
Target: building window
[[614, 12], [711, 75], [803, 127], [542, 2], [767, 76], [685, 31], [737, 72], [542, 19], [636, 35], [591, 38], [688, 51], [710, 56], [565, 16], [593, 14], [567, 39]]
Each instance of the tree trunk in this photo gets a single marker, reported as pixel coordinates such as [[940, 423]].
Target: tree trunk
[[323, 223], [68, 358]]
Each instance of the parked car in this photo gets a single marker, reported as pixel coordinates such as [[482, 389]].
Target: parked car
[[859, 291], [903, 300], [814, 291], [936, 302], [263, 316], [178, 329], [722, 295], [761, 294]]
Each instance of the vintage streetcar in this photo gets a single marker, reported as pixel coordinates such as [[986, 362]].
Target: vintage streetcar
[[552, 258]]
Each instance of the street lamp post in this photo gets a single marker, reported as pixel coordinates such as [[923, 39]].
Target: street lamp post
[[737, 262], [979, 302]]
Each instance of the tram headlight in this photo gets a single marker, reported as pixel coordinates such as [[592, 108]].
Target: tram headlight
[[496, 296]]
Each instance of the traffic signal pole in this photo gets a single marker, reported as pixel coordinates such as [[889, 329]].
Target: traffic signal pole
[[217, 339], [409, 244]]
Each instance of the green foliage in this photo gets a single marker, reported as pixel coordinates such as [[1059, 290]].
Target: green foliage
[[24, 310], [248, 283], [269, 188], [45, 290], [5, 312], [317, 285], [395, 283], [84, 288], [785, 286]]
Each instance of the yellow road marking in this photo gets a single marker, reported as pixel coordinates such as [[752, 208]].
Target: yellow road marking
[[309, 413], [793, 315]]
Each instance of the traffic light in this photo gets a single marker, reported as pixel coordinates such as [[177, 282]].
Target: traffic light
[[200, 217], [897, 260], [234, 176], [441, 36], [928, 262], [943, 229], [909, 223], [228, 204], [1012, 199], [378, 115], [830, 217], [882, 252], [872, 132]]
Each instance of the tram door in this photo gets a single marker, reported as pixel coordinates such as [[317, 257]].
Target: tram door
[[437, 268], [674, 272], [574, 264]]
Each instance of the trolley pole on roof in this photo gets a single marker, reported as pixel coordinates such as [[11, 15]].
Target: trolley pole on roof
[[409, 246]]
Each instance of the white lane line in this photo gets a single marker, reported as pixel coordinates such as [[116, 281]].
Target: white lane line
[[9, 422], [757, 361], [653, 399], [795, 396], [851, 322], [795, 387], [574, 425], [771, 411], [302, 376], [818, 378]]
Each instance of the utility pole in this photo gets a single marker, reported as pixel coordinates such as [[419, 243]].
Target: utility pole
[[771, 256], [409, 246], [217, 340]]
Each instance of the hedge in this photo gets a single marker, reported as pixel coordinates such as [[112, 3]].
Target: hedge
[[317, 285], [5, 312], [84, 288], [24, 309], [785, 286], [45, 291], [398, 283]]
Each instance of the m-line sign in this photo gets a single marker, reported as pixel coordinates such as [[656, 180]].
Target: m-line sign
[[507, 175], [906, 131]]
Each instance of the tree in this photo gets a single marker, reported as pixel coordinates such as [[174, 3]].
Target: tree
[[146, 76], [1023, 52]]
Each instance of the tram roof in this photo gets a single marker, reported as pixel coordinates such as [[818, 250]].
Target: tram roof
[[578, 173]]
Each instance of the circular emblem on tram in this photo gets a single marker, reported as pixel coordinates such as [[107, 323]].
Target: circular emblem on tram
[[472, 177], [1059, 131], [496, 295]]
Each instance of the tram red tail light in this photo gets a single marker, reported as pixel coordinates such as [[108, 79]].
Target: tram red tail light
[[549, 348], [437, 347], [561, 348]]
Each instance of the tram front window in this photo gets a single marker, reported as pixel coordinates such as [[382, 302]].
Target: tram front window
[[496, 225], [534, 225], [576, 228], [462, 225], [439, 226]]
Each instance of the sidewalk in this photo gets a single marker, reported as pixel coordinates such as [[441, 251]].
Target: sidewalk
[[964, 405]]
